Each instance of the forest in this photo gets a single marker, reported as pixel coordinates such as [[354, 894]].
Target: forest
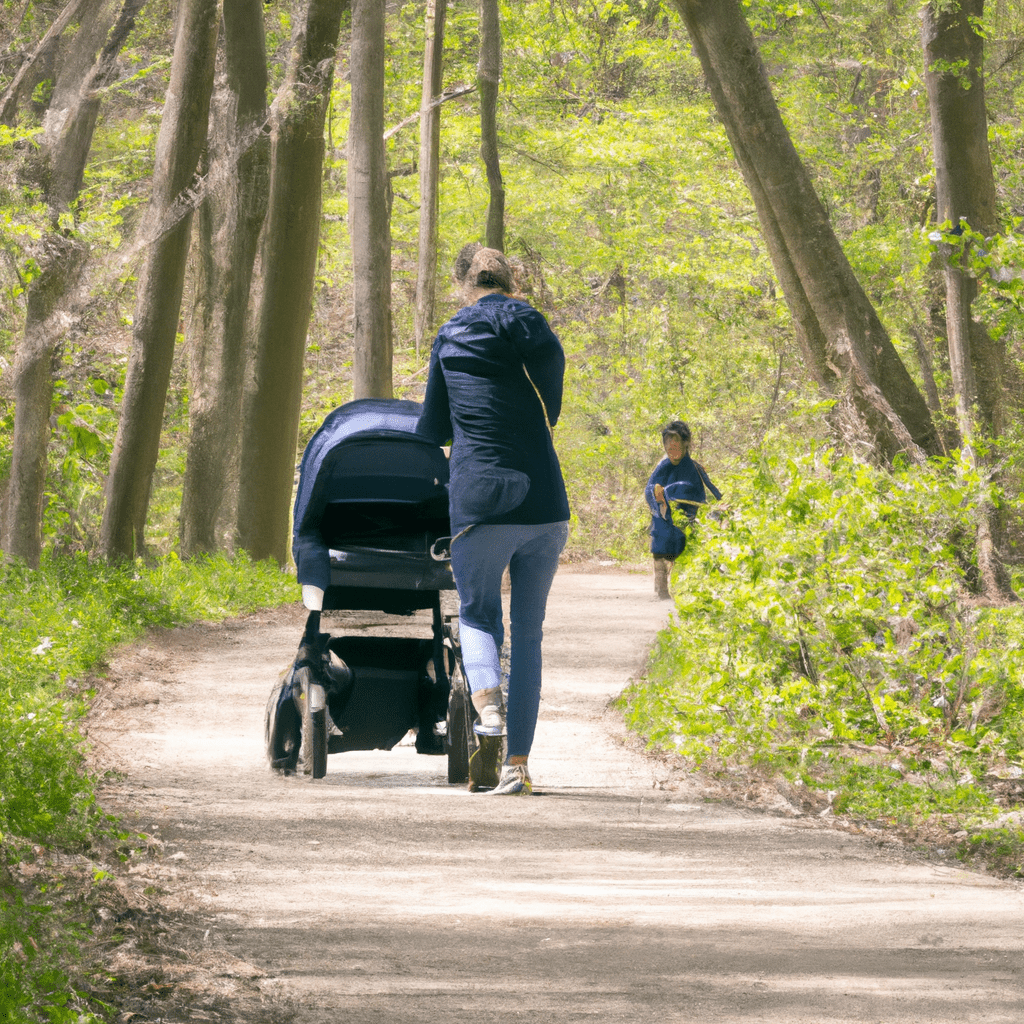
[[795, 225]]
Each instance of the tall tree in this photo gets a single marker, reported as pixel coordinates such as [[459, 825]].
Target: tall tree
[[23, 82], [161, 282], [430, 137], [288, 260], [488, 75], [59, 169], [953, 44], [369, 207], [965, 189], [230, 219], [844, 344]]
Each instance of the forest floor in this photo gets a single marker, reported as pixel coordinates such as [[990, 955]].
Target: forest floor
[[625, 889]]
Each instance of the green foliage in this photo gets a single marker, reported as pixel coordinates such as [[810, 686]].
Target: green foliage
[[56, 625], [999, 849], [37, 941], [823, 629]]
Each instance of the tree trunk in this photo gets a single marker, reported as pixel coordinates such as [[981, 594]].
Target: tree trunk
[[66, 140], [488, 74], [368, 206], [430, 139], [22, 83], [964, 181], [271, 414], [230, 220], [60, 264], [966, 197], [844, 344], [161, 282]]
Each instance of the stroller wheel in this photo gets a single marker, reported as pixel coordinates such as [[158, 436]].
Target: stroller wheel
[[317, 733], [314, 728], [283, 727], [314, 743], [459, 730]]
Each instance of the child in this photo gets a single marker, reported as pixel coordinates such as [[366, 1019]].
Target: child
[[679, 479]]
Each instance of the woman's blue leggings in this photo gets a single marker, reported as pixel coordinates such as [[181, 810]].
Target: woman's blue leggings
[[479, 558]]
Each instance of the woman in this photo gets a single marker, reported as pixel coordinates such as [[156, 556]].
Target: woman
[[495, 391], [677, 480]]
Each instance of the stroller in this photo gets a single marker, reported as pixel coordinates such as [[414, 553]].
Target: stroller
[[371, 529]]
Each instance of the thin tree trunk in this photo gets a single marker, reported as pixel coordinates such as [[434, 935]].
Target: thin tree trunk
[[77, 58], [964, 181], [931, 390], [368, 206], [161, 282], [60, 263], [271, 413], [966, 197], [230, 220], [66, 141], [430, 138], [844, 344], [488, 76], [958, 337], [12, 98]]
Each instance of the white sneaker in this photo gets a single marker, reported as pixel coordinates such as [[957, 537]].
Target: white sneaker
[[515, 781]]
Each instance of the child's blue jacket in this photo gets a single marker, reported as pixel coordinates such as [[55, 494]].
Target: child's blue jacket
[[685, 482]]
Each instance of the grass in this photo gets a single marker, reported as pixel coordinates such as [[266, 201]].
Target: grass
[[999, 849], [57, 624]]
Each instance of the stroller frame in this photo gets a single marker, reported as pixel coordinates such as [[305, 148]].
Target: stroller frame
[[372, 504]]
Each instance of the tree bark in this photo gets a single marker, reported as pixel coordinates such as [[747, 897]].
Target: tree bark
[[487, 76], [60, 263], [966, 198], [161, 282], [67, 137], [21, 83], [368, 206], [230, 220], [845, 346], [964, 181], [430, 139], [271, 412]]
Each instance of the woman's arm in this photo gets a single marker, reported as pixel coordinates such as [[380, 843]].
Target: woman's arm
[[435, 421]]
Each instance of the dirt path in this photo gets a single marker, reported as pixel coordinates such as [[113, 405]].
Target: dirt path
[[381, 893]]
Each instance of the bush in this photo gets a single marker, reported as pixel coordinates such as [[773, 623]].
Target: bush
[[824, 630]]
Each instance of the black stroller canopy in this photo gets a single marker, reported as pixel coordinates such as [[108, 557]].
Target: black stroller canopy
[[365, 419], [366, 457]]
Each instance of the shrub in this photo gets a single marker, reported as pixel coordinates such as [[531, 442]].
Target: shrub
[[823, 628]]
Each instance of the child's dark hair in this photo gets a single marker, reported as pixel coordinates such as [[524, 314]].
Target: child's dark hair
[[677, 427]]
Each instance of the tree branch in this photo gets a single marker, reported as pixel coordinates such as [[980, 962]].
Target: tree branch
[[9, 103], [448, 94]]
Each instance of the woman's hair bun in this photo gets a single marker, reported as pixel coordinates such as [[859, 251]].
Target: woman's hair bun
[[490, 269]]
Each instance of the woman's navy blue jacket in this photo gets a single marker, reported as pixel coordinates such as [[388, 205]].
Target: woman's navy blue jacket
[[683, 482], [494, 390]]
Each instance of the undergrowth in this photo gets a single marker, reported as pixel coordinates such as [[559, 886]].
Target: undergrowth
[[825, 636], [57, 623]]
